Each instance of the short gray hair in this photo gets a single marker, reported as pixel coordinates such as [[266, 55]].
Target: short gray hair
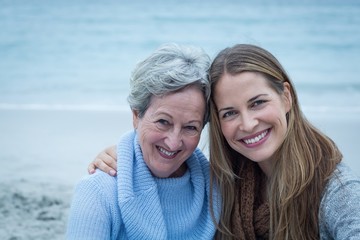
[[170, 68]]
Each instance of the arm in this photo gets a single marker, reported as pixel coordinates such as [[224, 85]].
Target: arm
[[105, 161]]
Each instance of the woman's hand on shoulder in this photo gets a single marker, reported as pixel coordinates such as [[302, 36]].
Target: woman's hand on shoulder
[[105, 161]]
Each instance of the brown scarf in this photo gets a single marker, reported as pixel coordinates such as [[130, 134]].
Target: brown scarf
[[251, 218]]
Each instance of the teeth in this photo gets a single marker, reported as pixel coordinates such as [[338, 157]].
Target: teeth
[[255, 139], [166, 152]]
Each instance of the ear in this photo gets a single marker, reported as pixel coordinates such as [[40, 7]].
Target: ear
[[287, 96], [135, 118]]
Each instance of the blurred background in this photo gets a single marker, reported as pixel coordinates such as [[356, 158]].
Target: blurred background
[[65, 65]]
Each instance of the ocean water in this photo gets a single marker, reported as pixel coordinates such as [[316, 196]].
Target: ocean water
[[79, 54]]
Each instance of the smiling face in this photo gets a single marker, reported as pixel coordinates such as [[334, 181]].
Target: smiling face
[[252, 115], [170, 130]]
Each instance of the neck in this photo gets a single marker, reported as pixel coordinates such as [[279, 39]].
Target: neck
[[179, 172], [266, 167]]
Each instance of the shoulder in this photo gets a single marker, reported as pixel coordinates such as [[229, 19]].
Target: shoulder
[[344, 180], [99, 183], [98, 178], [339, 213], [94, 213]]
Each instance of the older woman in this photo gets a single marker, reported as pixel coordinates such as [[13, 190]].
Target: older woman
[[163, 187]]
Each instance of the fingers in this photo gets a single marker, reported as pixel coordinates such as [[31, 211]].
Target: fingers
[[111, 151], [105, 161], [91, 168], [102, 163]]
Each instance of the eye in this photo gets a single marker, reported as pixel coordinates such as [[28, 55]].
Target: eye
[[228, 114], [191, 130], [258, 103], [162, 124]]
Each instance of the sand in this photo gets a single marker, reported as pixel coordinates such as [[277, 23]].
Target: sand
[[43, 156], [44, 153]]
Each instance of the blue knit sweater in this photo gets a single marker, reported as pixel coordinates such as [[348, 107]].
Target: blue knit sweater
[[137, 205]]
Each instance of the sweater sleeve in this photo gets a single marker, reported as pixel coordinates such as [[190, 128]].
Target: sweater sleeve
[[340, 207], [91, 212]]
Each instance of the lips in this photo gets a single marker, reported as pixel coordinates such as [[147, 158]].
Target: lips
[[255, 138], [167, 154]]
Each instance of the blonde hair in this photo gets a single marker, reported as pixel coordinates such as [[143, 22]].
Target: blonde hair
[[305, 160]]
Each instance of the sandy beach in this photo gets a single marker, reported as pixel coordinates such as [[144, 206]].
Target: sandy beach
[[45, 153]]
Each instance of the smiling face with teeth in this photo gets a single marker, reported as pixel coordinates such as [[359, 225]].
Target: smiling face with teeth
[[170, 130], [252, 115]]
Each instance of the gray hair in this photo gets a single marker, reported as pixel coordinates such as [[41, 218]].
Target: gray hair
[[170, 68]]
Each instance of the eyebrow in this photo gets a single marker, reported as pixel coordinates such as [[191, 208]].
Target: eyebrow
[[256, 97], [194, 122], [172, 118], [249, 101], [225, 109]]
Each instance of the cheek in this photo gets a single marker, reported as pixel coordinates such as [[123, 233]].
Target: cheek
[[281, 123], [192, 142], [148, 135], [226, 129]]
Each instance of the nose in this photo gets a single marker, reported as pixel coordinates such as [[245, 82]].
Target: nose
[[247, 122], [174, 140]]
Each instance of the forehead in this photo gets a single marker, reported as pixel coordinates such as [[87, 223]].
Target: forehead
[[186, 102], [241, 83]]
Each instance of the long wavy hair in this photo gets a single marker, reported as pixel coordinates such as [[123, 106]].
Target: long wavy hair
[[304, 161]]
